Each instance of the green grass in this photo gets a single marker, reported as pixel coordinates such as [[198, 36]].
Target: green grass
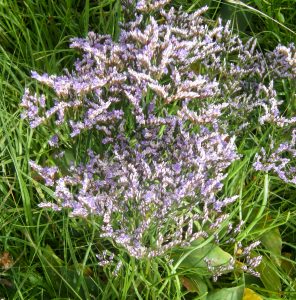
[[54, 256]]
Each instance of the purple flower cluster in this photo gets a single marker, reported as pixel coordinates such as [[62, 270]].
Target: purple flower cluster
[[279, 160], [174, 78], [169, 57], [162, 184]]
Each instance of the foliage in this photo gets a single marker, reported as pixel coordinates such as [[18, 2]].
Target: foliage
[[46, 254]]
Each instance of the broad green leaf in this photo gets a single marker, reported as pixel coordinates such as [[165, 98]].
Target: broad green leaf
[[195, 284], [270, 237], [250, 280], [287, 264], [197, 258], [268, 275], [251, 295], [235, 293], [272, 241]]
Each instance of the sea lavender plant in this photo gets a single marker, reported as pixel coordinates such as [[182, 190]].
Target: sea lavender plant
[[163, 98], [161, 185]]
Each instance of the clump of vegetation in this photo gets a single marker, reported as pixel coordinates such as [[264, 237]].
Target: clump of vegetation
[[157, 144]]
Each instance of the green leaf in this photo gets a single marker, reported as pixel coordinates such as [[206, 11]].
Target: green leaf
[[287, 264], [272, 241], [196, 259], [235, 293], [195, 284], [269, 276]]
